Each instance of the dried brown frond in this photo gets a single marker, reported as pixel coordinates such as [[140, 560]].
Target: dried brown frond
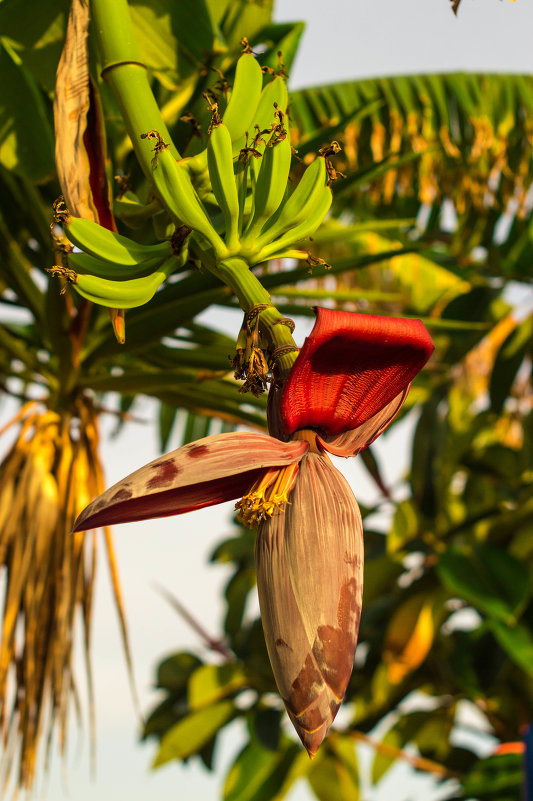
[[49, 475]]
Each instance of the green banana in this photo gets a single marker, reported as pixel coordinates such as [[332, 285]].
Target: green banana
[[273, 96], [241, 179], [270, 186], [239, 115], [123, 294], [133, 213], [220, 163], [89, 265], [163, 226], [179, 196], [291, 253], [299, 206], [201, 252], [301, 231], [241, 109], [104, 244]]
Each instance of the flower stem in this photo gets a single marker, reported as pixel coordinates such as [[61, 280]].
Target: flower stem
[[127, 78], [249, 291]]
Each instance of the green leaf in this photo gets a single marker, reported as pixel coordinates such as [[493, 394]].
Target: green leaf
[[236, 593], [334, 772], [233, 409], [405, 526], [35, 30], [509, 358], [15, 347], [259, 774], [267, 727], [164, 716], [380, 578], [186, 388], [173, 38], [143, 381], [167, 418], [517, 642], [174, 305], [363, 177], [239, 18], [207, 754], [336, 125], [173, 673], [279, 37], [210, 683], [193, 732], [424, 472], [235, 549], [196, 427], [428, 730], [15, 272], [437, 120], [26, 141], [433, 737], [399, 734], [489, 578], [498, 778]]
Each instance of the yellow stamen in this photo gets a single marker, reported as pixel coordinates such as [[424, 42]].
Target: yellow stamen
[[269, 493]]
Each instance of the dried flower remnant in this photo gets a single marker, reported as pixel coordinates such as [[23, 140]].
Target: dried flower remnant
[[327, 152], [249, 362]]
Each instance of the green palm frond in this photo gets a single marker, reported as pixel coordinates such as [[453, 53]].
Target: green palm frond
[[467, 126], [456, 152]]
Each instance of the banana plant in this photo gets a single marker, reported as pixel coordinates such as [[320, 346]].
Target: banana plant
[[195, 223], [60, 355]]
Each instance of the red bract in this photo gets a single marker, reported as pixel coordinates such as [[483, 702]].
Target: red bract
[[350, 368], [349, 381], [309, 562], [206, 472]]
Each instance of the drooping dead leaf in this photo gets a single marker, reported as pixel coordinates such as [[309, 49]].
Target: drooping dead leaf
[[71, 106], [80, 136], [455, 6], [47, 477]]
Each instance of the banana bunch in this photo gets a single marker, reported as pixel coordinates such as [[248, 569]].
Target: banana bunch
[[249, 104], [277, 218], [122, 254], [248, 158], [247, 161], [248, 176], [112, 270]]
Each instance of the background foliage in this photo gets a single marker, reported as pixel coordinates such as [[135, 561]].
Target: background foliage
[[432, 220]]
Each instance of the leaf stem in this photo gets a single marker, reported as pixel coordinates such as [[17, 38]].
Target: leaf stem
[[418, 762], [210, 642]]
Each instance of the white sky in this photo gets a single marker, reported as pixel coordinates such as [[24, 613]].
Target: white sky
[[344, 39]]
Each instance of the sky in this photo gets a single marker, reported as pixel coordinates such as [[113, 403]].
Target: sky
[[344, 39]]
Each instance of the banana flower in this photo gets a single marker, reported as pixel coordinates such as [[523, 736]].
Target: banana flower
[[349, 381]]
